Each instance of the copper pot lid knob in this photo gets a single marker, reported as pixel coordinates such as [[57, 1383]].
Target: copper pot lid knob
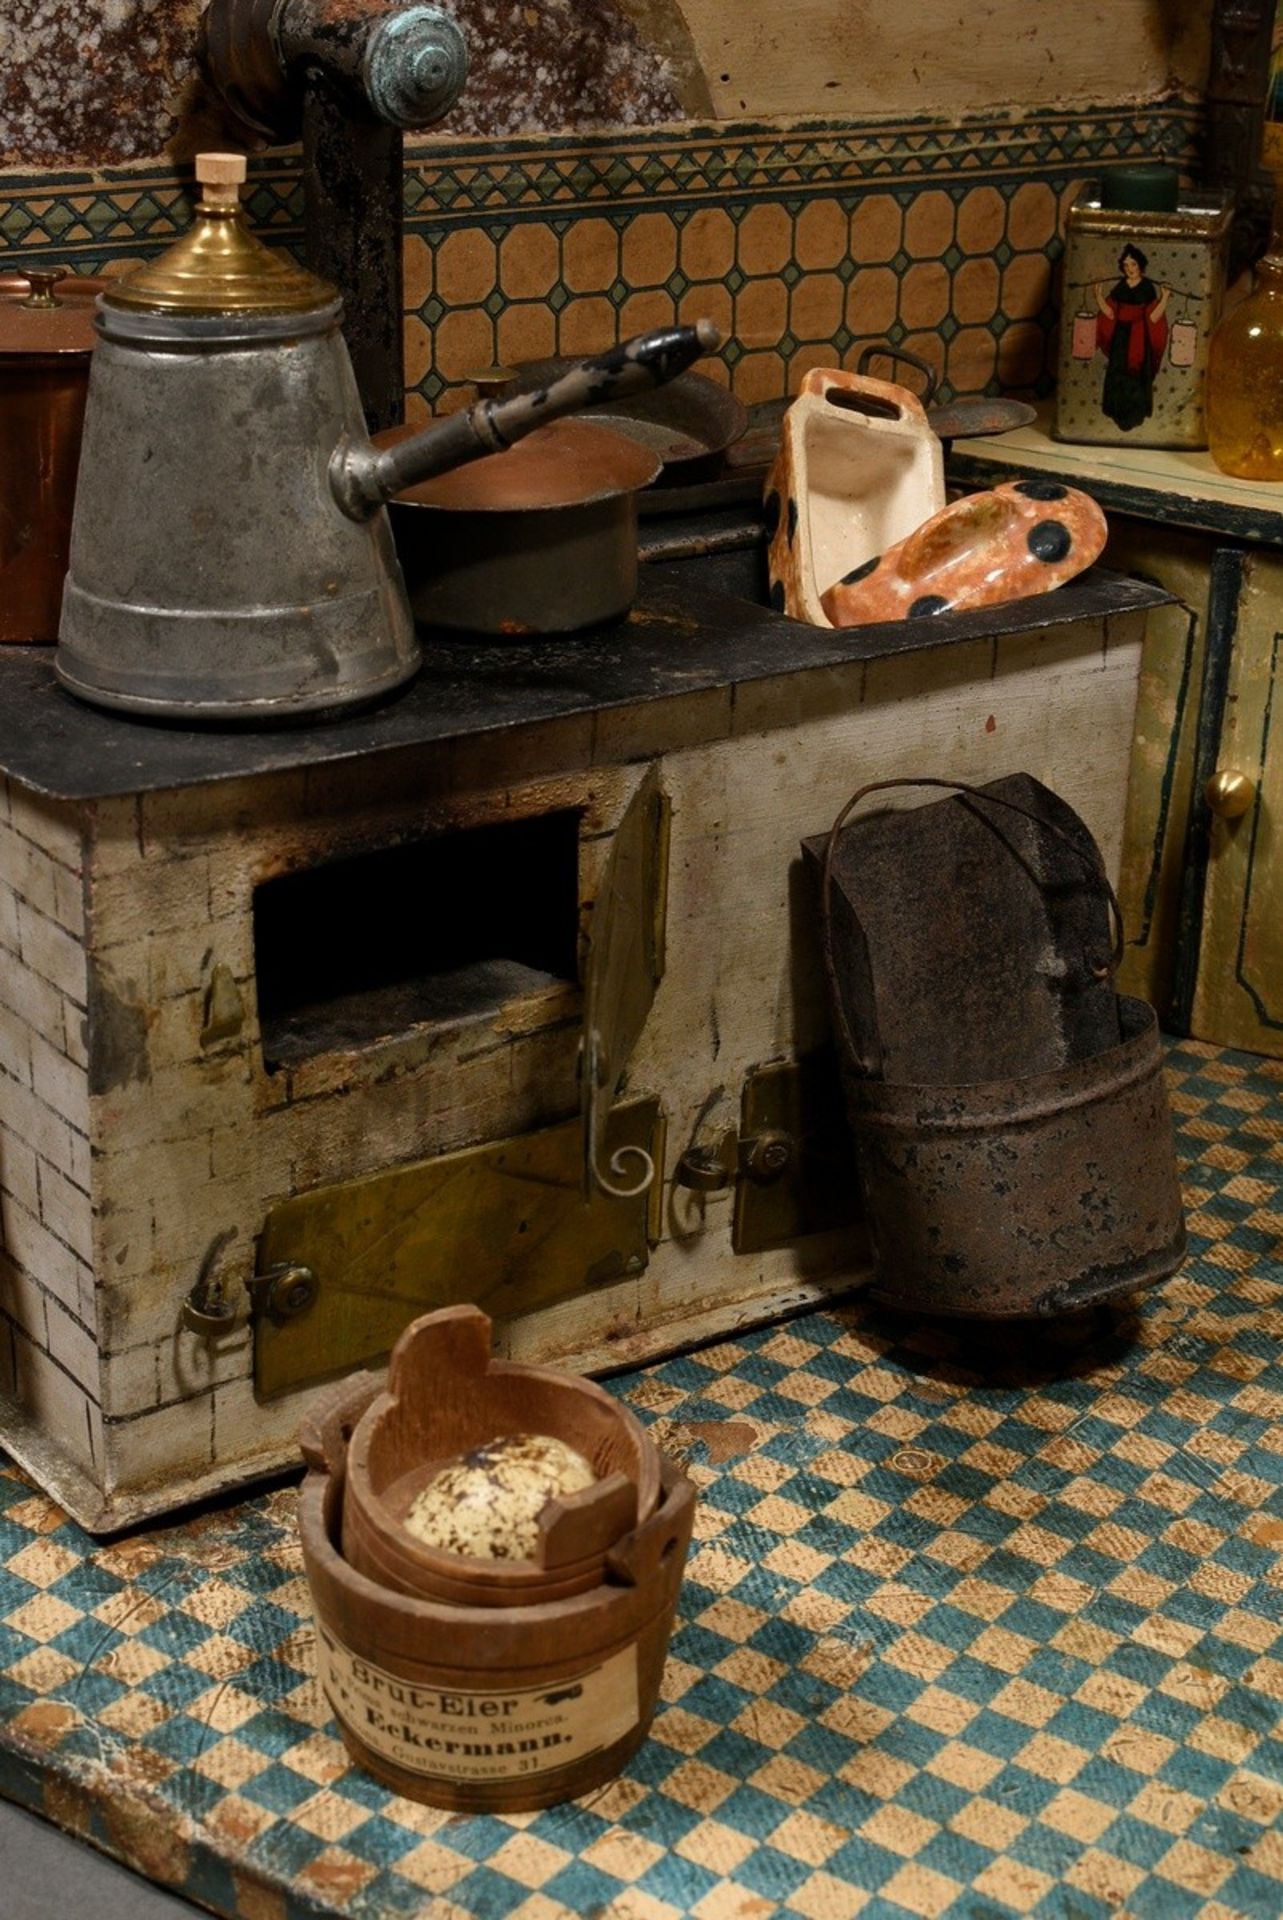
[[489, 382], [36, 321], [42, 285]]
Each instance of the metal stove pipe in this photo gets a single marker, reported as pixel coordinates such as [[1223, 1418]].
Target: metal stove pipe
[[349, 77]]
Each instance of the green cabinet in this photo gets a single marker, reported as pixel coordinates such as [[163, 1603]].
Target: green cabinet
[[1201, 880]]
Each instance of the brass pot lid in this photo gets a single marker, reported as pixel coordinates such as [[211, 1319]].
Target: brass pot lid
[[218, 266], [568, 463], [47, 310]]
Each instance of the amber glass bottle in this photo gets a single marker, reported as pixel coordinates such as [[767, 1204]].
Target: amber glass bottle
[[1245, 373]]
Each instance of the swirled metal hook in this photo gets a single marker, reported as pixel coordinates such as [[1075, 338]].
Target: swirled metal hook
[[592, 1066], [617, 1160]]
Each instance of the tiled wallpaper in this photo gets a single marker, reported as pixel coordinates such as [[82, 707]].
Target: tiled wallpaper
[[804, 243]]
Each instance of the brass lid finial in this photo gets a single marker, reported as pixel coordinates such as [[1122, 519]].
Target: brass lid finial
[[218, 266], [221, 175], [41, 296]]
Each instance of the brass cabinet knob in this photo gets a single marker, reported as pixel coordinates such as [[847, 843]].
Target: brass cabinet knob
[[1229, 794]]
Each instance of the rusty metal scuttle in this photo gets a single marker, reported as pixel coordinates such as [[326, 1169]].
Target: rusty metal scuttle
[[1009, 1110]]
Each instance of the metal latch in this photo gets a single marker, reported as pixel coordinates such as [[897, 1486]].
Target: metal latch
[[711, 1166], [206, 1308], [767, 1156], [795, 1172], [788, 1161], [707, 1166]]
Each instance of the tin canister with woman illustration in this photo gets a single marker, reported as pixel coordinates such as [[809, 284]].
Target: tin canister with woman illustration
[[1144, 277]]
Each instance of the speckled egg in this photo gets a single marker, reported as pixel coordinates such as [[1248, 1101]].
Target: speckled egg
[[487, 1504]]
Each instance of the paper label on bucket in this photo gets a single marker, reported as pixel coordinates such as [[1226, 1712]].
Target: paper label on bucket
[[455, 1733]]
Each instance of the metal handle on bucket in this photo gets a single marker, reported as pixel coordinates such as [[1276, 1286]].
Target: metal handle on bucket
[[1094, 865]]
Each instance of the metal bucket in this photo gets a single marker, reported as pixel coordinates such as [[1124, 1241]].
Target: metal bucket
[[1023, 1197], [1003, 1195]]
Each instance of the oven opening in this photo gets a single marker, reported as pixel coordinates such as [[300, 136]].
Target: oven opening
[[361, 950]]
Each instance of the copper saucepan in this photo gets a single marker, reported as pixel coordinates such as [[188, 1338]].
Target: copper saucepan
[[541, 538]]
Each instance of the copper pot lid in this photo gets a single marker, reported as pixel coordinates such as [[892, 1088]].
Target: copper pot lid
[[46, 311], [568, 463]]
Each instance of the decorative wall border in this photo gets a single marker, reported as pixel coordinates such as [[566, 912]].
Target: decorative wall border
[[743, 159], [140, 207], [805, 241]]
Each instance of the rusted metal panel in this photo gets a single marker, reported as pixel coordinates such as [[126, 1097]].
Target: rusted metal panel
[[1025, 1196]]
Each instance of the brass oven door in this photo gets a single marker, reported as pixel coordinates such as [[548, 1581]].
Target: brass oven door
[[515, 1225]]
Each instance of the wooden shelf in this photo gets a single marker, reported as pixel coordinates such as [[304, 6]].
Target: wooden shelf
[[1181, 488]]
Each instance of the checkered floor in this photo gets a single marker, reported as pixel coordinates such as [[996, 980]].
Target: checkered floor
[[972, 1627]]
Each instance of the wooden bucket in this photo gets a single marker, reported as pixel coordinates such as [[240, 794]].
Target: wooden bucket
[[445, 1395], [491, 1709]]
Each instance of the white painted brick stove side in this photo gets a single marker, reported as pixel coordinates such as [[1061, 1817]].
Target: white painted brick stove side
[[196, 1143], [158, 1102], [48, 1308]]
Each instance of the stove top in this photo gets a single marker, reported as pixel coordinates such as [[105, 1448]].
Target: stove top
[[678, 639]]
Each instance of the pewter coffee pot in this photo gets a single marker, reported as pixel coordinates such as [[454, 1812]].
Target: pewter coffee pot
[[230, 557]]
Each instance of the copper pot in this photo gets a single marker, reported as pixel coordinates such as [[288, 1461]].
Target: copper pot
[[46, 336], [541, 538]]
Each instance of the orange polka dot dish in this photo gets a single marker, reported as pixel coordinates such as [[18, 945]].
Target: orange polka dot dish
[[982, 551]]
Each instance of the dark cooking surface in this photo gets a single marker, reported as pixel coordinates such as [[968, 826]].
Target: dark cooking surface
[[679, 639]]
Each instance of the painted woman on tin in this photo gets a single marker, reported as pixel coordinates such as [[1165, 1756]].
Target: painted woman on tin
[[1131, 331]]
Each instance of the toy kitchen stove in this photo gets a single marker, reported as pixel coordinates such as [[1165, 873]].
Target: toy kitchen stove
[[291, 1022], [507, 992]]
